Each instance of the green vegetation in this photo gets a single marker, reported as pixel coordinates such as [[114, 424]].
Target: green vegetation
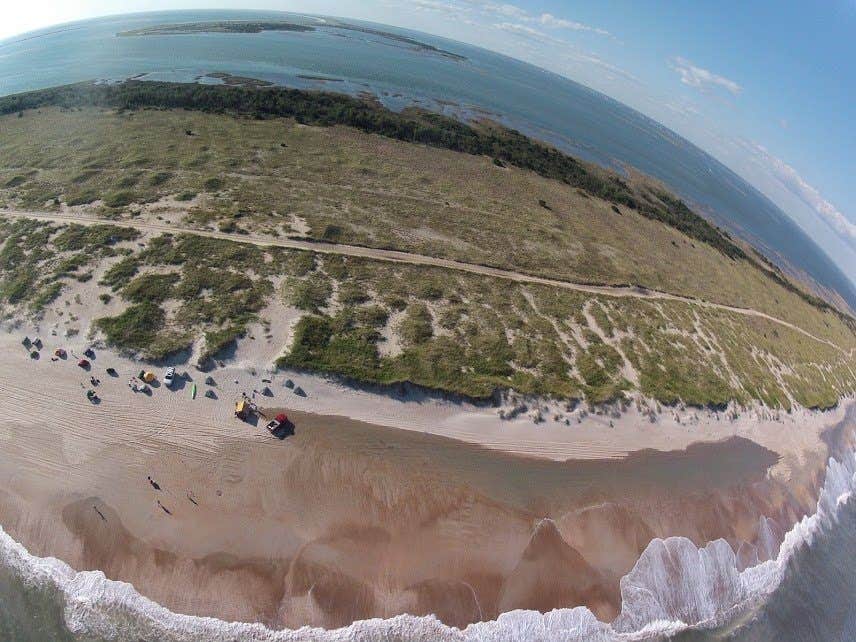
[[119, 199], [416, 126], [438, 328], [213, 184], [416, 327], [310, 294], [392, 195], [388, 322], [36, 256], [120, 273], [83, 237], [218, 340], [539, 340], [46, 295], [156, 288], [136, 328], [159, 178]]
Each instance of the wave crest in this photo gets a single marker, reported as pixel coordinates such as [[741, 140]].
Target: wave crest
[[673, 586]]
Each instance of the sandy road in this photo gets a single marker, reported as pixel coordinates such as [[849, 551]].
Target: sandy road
[[396, 256]]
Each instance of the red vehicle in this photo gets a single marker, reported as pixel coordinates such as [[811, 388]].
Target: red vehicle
[[280, 427], [83, 363]]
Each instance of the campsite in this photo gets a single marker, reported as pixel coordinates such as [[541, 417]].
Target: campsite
[[246, 410]]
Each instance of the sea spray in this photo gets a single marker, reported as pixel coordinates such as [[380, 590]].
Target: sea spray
[[674, 586]]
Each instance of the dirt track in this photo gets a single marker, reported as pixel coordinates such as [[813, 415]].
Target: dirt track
[[415, 259]]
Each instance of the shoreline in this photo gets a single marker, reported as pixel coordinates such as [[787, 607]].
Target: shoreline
[[352, 520]]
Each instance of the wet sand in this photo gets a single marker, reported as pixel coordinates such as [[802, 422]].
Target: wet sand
[[348, 520]]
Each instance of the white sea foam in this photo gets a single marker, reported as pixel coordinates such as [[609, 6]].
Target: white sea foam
[[673, 586]]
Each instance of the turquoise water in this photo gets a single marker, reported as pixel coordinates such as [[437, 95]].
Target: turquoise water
[[540, 103]]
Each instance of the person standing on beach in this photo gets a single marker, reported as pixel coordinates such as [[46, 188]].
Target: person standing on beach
[[154, 484]]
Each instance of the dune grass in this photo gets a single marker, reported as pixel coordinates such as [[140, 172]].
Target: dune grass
[[455, 332]]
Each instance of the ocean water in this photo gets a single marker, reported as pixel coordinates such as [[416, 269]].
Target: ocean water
[[571, 116], [675, 591]]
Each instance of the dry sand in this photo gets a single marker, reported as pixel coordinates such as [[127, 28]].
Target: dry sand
[[347, 520]]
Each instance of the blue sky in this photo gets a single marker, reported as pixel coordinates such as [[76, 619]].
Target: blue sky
[[768, 88]]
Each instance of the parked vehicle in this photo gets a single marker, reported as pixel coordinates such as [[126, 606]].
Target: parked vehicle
[[169, 377], [280, 427]]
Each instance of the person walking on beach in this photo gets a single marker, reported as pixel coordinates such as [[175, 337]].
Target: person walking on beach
[[154, 484], [164, 508]]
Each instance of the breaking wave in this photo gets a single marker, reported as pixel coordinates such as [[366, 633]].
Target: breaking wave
[[674, 586]]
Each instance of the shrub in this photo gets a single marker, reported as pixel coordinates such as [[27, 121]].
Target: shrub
[[135, 328], [416, 327], [372, 316], [352, 293], [332, 233], [92, 237], [159, 178], [84, 197], [121, 273], [47, 295], [218, 340], [151, 287], [119, 199], [395, 302], [213, 184], [310, 294]]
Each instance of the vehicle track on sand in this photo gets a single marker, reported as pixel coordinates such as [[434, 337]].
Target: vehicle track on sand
[[396, 256]]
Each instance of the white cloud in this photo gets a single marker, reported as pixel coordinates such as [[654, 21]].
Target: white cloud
[[523, 30], [702, 79], [591, 59], [436, 5], [790, 179], [505, 10], [509, 10], [549, 20]]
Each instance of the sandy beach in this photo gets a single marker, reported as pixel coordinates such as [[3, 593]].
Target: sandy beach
[[379, 504]]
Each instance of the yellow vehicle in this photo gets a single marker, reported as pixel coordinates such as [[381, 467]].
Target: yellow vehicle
[[242, 409]]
